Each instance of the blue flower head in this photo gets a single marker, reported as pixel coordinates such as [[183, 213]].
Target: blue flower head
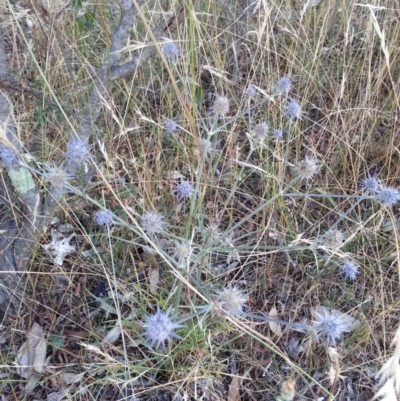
[[251, 91], [370, 184], [171, 51], [160, 327], [170, 126], [349, 269], [104, 217], [293, 109], [283, 85], [277, 133], [184, 190], [332, 324], [387, 195], [78, 150], [7, 155]]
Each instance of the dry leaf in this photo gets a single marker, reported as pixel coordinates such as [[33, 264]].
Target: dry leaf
[[154, 278], [26, 356], [113, 334], [173, 175], [234, 387], [70, 378], [276, 328], [39, 363]]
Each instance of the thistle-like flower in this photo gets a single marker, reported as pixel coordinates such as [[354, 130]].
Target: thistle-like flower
[[184, 190], [152, 222], [333, 239], [7, 155], [221, 106], [170, 126], [387, 195], [160, 327], [293, 109], [212, 232], [260, 132], [206, 147], [232, 300], [78, 150], [283, 85], [349, 269], [251, 91], [307, 168], [171, 51], [104, 217], [57, 176], [370, 184], [181, 251], [332, 324], [277, 133]]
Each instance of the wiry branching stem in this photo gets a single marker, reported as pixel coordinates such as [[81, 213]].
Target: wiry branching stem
[[24, 223]]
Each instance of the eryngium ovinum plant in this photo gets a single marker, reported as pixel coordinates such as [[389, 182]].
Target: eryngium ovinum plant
[[184, 250]]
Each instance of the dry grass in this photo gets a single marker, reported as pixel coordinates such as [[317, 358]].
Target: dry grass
[[343, 60]]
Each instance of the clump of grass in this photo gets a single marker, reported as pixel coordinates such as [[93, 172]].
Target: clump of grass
[[223, 193]]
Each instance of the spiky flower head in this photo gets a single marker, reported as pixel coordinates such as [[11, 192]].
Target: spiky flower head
[[170, 126], [104, 217], [78, 150], [213, 232], [232, 300], [160, 327], [283, 85], [251, 91], [370, 184], [171, 51], [260, 132], [307, 168], [293, 109], [184, 190], [7, 155], [57, 176], [387, 195], [277, 133], [181, 251], [333, 239], [206, 147], [332, 324], [221, 106], [349, 269], [152, 222]]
